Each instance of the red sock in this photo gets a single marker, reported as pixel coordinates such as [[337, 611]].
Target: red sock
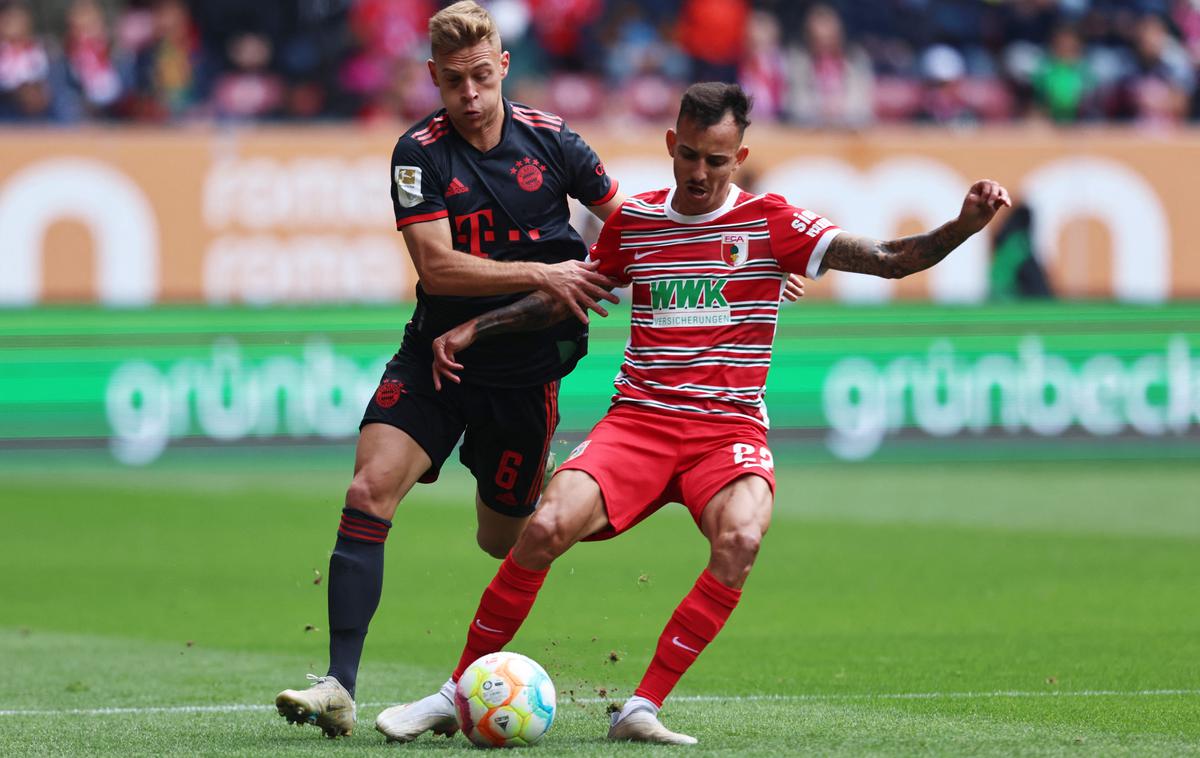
[[693, 625], [502, 610]]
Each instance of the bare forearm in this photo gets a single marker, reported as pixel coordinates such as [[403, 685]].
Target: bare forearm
[[446, 271], [468, 275], [537, 311], [897, 258]]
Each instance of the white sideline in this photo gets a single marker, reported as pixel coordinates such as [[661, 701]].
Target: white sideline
[[814, 697]]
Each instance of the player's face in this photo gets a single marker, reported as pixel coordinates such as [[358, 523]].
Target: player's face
[[705, 160], [469, 82]]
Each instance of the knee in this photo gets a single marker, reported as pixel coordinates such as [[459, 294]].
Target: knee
[[742, 544], [734, 552], [544, 539], [495, 545], [361, 496]]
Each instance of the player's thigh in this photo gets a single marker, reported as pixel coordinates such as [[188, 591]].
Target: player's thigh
[[408, 431], [387, 463], [743, 505], [571, 510], [508, 436], [728, 472], [734, 521], [631, 455]]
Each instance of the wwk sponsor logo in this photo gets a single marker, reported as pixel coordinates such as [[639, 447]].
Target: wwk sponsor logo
[[689, 302]]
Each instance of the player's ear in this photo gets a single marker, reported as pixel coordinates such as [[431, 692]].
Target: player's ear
[[432, 71], [503, 64], [741, 155], [671, 139]]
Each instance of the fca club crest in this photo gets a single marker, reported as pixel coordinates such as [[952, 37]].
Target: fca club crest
[[735, 249], [529, 173]]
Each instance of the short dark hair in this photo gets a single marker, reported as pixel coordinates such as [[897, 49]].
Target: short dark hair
[[707, 103]]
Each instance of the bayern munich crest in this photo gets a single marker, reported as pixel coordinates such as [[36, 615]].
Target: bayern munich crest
[[389, 392], [529, 173], [735, 249]]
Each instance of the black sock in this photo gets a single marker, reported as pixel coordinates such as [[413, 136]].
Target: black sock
[[355, 584]]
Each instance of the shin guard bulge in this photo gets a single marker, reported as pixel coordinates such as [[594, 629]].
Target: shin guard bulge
[[502, 610], [694, 624]]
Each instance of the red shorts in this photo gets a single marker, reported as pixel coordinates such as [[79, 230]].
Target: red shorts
[[643, 459]]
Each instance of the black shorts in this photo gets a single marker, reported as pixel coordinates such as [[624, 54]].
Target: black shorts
[[507, 431]]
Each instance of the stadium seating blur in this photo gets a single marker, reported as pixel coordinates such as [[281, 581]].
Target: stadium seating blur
[[837, 64]]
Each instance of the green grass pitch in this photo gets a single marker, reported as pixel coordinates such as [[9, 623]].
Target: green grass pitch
[[966, 609]]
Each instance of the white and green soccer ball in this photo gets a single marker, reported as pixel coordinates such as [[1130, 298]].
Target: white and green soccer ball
[[504, 700]]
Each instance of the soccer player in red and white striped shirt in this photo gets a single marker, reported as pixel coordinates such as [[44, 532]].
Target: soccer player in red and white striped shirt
[[688, 424]]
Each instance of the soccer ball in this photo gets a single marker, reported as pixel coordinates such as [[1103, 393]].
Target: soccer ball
[[504, 700]]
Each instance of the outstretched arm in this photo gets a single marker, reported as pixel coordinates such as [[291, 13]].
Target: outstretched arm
[[536, 311], [900, 257]]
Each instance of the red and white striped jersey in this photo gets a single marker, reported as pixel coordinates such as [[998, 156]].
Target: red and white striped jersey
[[705, 296]]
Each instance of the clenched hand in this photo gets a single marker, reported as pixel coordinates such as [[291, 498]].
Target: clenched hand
[[983, 200], [794, 290], [579, 285]]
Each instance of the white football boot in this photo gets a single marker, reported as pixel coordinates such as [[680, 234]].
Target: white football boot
[[435, 713], [325, 704], [642, 725]]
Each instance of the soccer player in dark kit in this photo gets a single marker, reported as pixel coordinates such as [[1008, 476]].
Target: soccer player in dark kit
[[480, 192], [688, 422]]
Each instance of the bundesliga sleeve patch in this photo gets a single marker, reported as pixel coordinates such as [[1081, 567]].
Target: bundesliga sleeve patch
[[578, 451], [408, 185]]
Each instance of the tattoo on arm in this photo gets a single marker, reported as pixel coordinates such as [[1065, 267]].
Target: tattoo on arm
[[536, 311], [895, 258]]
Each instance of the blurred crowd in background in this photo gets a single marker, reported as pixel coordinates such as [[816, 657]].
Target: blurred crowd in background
[[833, 64]]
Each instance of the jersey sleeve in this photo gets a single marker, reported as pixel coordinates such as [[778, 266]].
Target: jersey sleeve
[[799, 237], [417, 189], [607, 250], [587, 181]]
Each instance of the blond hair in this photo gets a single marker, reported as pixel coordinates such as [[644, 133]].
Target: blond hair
[[464, 24]]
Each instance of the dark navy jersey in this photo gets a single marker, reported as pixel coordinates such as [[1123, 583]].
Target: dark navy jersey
[[508, 204]]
